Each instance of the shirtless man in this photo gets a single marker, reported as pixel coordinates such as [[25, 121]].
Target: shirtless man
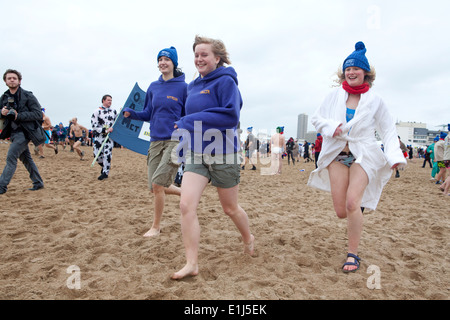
[[47, 126], [276, 149], [76, 132]]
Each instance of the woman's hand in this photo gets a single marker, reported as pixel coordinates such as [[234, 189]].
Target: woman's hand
[[338, 131], [126, 114], [395, 166]]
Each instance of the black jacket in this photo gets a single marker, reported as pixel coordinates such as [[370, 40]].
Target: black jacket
[[29, 117]]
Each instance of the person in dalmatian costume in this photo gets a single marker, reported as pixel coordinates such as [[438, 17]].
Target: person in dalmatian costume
[[102, 121]]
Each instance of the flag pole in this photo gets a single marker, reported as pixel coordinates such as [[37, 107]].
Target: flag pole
[[106, 139]]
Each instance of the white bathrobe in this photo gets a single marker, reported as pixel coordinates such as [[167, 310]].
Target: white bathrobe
[[371, 115]]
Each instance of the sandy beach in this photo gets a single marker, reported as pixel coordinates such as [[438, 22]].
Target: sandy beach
[[97, 226]]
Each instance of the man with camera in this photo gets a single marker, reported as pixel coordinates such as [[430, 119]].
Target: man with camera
[[22, 122]]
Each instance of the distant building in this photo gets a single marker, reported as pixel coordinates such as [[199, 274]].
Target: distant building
[[416, 134]]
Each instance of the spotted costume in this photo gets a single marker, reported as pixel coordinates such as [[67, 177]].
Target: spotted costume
[[102, 119]]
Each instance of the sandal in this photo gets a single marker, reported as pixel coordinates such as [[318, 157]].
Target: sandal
[[356, 263]]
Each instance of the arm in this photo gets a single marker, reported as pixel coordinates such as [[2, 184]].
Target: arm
[[95, 123], [145, 114], [221, 117], [386, 128], [322, 120], [33, 112]]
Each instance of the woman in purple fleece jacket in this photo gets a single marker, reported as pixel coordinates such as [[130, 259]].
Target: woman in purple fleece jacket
[[212, 114], [164, 104]]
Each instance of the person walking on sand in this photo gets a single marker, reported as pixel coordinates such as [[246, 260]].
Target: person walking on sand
[[290, 145], [318, 148], [439, 156], [213, 108], [47, 126], [446, 185], [250, 146], [276, 150], [165, 100], [351, 164], [22, 116], [76, 133], [102, 122]]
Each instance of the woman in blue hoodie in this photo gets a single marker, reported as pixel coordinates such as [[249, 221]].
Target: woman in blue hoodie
[[164, 104], [210, 127]]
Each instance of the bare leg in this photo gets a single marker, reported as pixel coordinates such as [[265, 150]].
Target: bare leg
[[229, 201], [347, 190], [446, 185], [48, 145], [355, 192], [41, 150], [160, 196], [191, 190], [77, 148]]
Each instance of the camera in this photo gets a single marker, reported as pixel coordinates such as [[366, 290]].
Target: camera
[[10, 106]]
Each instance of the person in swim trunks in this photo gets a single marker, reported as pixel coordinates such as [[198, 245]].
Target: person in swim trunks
[[76, 133], [276, 148]]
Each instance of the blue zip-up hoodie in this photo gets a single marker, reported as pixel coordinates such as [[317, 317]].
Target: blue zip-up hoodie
[[216, 102], [164, 104]]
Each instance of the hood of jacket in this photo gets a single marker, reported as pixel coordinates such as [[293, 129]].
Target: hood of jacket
[[219, 72], [181, 78]]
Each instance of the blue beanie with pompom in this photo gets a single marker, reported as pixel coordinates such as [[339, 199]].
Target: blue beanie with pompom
[[357, 58]]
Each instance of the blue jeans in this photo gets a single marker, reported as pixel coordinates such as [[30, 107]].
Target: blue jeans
[[19, 150]]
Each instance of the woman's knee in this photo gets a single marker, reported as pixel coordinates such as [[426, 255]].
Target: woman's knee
[[157, 189], [341, 213], [187, 207], [231, 210], [353, 205]]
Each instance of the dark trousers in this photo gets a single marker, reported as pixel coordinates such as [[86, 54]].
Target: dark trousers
[[425, 162], [290, 155], [19, 150], [316, 156]]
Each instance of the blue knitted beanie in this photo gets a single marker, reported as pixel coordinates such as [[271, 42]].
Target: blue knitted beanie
[[357, 58], [170, 53]]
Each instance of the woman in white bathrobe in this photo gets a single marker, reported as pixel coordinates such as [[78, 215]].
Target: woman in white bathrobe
[[351, 164]]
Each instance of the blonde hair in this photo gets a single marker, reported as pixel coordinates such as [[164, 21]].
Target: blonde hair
[[369, 77], [218, 48]]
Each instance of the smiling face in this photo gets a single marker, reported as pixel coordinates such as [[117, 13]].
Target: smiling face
[[165, 65], [354, 76], [205, 60]]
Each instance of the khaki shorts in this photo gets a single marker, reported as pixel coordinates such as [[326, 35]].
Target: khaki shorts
[[223, 171], [161, 169]]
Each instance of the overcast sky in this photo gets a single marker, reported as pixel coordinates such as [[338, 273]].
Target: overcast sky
[[285, 52]]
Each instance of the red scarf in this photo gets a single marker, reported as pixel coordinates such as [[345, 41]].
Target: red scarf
[[356, 90]]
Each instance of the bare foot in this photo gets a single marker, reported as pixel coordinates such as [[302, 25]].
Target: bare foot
[[249, 248], [152, 233], [188, 271]]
